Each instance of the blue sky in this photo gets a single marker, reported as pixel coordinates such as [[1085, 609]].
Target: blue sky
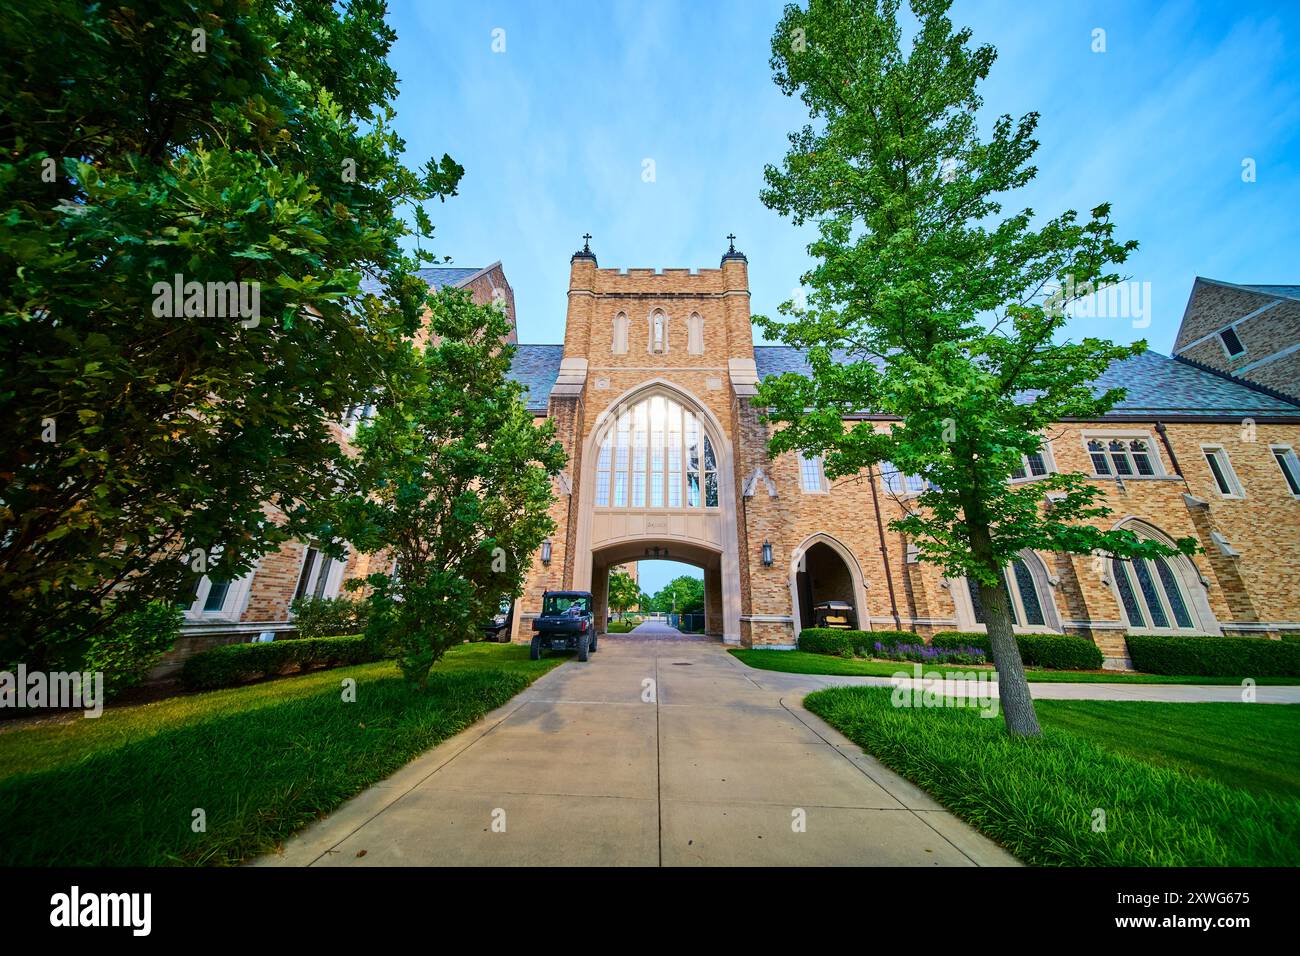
[[553, 133]]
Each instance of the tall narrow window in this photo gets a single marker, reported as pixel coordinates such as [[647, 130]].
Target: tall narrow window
[[695, 334], [315, 578], [810, 473], [1286, 460], [620, 334], [1225, 479]]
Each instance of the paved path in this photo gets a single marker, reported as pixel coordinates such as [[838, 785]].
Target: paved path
[[796, 685], [653, 753]]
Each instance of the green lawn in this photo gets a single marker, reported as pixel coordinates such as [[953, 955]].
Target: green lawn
[[1251, 746], [261, 761], [1180, 784], [619, 627], [802, 662]]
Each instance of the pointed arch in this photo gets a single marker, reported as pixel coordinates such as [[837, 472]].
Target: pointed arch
[[1031, 589], [695, 334], [1160, 595], [797, 561], [717, 524], [619, 346]]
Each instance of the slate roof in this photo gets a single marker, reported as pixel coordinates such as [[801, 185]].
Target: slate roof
[[1158, 386], [537, 367], [436, 276]]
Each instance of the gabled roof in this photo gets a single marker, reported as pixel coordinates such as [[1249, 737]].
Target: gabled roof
[[1272, 291], [439, 277]]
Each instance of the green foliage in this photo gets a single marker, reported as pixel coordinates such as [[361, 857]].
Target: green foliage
[[1036, 797], [850, 643], [683, 594], [1215, 656], [234, 664], [929, 306], [138, 445], [328, 617], [454, 479], [1053, 651], [623, 591], [128, 649]]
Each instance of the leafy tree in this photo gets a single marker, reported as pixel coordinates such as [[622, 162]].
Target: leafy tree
[[247, 145], [683, 594], [453, 479], [623, 592], [930, 307]]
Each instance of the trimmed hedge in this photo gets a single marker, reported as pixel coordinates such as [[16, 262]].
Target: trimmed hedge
[[1215, 656], [237, 663], [826, 640], [1051, 651]]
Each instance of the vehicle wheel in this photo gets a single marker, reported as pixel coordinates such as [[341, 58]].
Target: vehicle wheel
[[582, 647], [535, 651], [593, 642], [504, 636]]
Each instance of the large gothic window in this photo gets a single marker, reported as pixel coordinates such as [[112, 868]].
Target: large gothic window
[[1150, 593], [656, 454], [1021, 592]]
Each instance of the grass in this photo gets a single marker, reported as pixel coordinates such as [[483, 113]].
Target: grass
[[1251, 746], [802, 662], [619, 627], [260, 761], [1164, 805]]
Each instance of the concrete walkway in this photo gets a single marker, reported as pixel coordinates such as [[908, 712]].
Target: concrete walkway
[[796, 685], [656, 752]]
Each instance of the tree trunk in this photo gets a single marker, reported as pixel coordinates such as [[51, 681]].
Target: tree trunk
[[1013, 690]]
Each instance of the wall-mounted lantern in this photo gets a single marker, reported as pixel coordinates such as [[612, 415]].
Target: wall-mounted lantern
[[546, 551], [767, 553]]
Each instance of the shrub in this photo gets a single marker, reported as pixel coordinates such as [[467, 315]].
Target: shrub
[[825, 640], [1215, 656], [126, 651], [328, 617], [1052, 651], [237, 663]]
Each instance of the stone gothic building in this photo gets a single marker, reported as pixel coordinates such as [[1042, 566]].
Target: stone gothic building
[[651, 392]]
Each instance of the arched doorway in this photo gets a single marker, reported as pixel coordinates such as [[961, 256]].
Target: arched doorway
[[823, 569], [658, 472], [709, 622]]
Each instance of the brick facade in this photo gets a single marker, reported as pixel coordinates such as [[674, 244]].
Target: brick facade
[[1246, 581]]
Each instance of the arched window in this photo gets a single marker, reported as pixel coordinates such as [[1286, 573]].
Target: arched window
[[1150, 594], [1161, 595], [656, 454], [658, 332], [695, 334], [620, 334], [1021, 590]]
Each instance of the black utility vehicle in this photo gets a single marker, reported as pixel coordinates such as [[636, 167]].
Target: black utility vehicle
[[566, 623]]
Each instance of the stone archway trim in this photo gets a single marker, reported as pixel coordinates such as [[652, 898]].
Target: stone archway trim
[[730, 545], [855, 572]]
